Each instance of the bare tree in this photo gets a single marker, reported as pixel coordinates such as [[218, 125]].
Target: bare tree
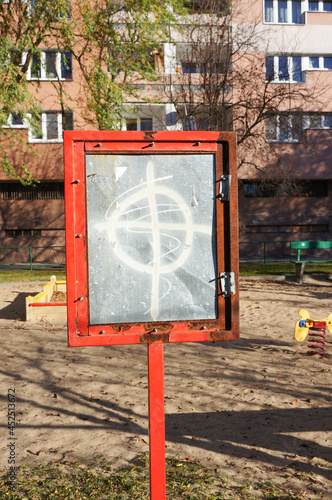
[[225, 81]]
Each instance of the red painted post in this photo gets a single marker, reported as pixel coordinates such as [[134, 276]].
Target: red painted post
[[156, 422]]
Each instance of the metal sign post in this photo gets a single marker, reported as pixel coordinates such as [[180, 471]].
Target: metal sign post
[[157, 421], [151, 248]]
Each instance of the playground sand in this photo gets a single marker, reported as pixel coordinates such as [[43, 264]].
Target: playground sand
[[258, 409]]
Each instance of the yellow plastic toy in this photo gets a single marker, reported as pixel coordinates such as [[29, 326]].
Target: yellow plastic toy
[[302, 326]]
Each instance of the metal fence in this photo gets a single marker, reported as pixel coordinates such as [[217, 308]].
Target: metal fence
[[276, 251], [266, 251], [32, 257], [48, 257]]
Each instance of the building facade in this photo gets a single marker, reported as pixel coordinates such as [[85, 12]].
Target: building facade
[[289, 196], [265, 71]]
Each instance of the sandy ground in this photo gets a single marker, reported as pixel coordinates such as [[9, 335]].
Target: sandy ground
[[256, 409]]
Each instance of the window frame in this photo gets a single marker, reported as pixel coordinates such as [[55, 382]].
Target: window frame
[[290, 13], [321, 117], [290, 69], [10, 123], [320, 6], [278, 129], [32, 138], [197, 123], [138, 123], [58, 65], [321, 62]]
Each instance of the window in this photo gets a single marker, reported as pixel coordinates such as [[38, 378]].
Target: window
[[51, 126], [189, 67], [65, 12], [296, 12], [294, 189], [298, 75], [328, 63], [313, 62], [138, 124], [35, 68], [202, 58], [16, 120], [269, 68], [327, 121], [50, 65], [284, 128], [283, 11], [41, 191], [50, 61], [284, 69], [203, 118], [13, 233], [269, 17], [193, 123], [318, 63], [320, 6], [318, 121], [203, 68], [283, 74], [313, 6], [66, 66]]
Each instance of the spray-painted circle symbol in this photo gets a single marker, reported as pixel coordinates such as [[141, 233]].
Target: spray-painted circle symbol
[[150, 224]]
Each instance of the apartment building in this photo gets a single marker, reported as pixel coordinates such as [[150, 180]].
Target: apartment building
[[295, 38], [283, 55]]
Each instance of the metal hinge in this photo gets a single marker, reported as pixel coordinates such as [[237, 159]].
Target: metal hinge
[[227, 284], [224, 187]]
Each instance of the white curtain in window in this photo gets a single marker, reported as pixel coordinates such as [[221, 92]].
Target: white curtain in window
[[282, 11], [269, 11], [313, 62]]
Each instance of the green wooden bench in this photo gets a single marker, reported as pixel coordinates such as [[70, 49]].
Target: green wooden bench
[[308, 245]]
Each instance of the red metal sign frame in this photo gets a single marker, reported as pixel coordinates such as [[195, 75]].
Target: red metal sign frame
[[76, 145]]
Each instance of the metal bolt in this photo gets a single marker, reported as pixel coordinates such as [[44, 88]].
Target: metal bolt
[[101, 332], [154, 330], [80, 299], [77, 181], [98, 145], [78, 236]]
